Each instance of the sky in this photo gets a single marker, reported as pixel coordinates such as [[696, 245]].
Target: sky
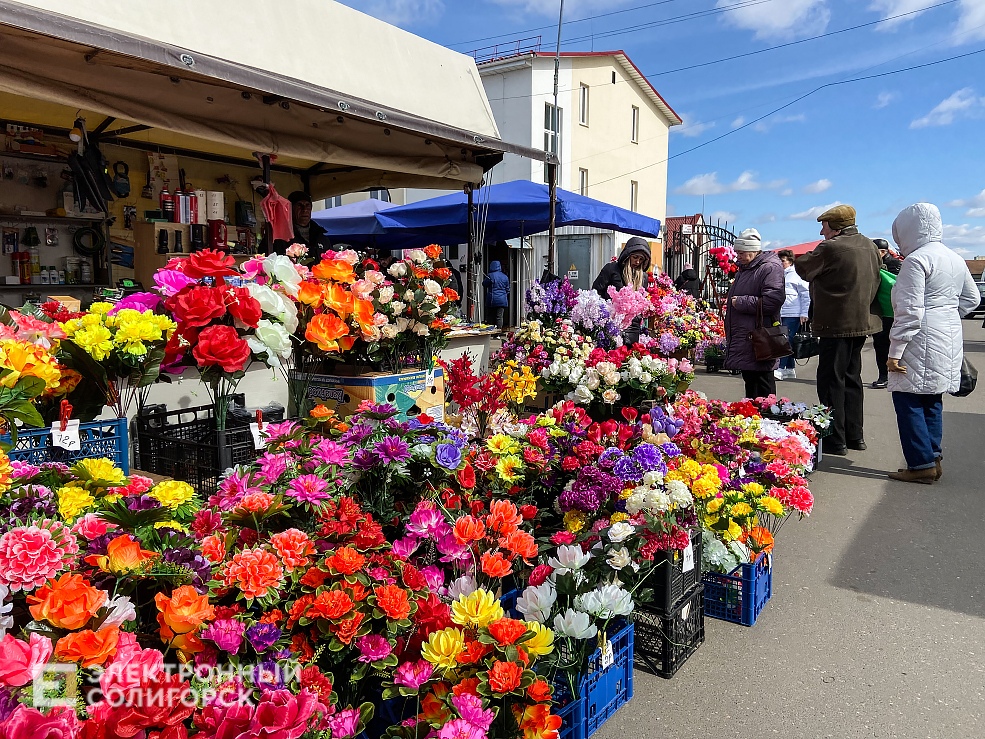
[[878, 144]]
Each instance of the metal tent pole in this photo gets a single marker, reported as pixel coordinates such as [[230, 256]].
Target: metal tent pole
[[472, 280]]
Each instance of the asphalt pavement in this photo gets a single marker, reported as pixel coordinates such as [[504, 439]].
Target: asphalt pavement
[[876, 627]]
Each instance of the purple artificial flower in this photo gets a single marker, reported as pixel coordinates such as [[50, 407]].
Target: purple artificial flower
[[262, 636], [650, 458], [268, 675], [610, 456], [364, 459], [356, 434], [448, 456], [627, 469], [435, 577], [227, 633], [194, 562], [373, 648], [7, 704], [393, 449], [142, 503]]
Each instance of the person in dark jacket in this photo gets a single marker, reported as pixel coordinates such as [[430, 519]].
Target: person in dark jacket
[[306, 231], [759, 285], [880, 341], [843, 271], [631, 268], [497, 287], [689, 282]]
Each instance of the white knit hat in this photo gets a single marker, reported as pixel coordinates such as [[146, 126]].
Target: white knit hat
[[749, 240]]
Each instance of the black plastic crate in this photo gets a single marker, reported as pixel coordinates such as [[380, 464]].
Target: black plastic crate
[[186, 444], [665, 641], [669, 581]]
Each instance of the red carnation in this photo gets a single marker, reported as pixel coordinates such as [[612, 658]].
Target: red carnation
[[243, 307], [221, 346], [209, 263]]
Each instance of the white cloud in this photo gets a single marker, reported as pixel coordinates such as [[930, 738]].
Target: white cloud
[[885, 99], [766, 125], [962, 104], [811, 214], [975, 205], [401, 12], [746, 182], [889, 8], [740, 121], [818, 187], [787, 193], [971, 24], [971, 16], [691, 127], [969, 241], [766, 218], [724, 216], [708, 184], [572, 8], [783, 19]]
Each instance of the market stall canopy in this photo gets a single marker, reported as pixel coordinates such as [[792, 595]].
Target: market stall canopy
[[345, 101], [506, 211], [357, 218]]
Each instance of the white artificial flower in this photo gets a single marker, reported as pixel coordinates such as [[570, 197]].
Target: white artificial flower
[[370, 334], [397, 307], [375, 277], [432, 288], [271, 339], [575, 625], [646, 378], [582, 395], [417, 256], [120, 609], [465, 585], [613, 378], [591, 380], [388, 331], [275, 304], [421, 329], [610, 396], [618, 558], [536, 602], [576, 375], [679, 494], [635, 503], [569, 558], [408, 296], [404, 324], [606, 602], [385, 294], [281, 268], [652, 478], [620, 531], [398, 269]]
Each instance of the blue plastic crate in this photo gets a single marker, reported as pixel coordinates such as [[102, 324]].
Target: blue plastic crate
[[604, 692], [508, 601], [570, 709], [740, 596], [109, 439]]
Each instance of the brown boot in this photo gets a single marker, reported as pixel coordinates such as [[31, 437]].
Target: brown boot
[[924, 477], [939, 469]]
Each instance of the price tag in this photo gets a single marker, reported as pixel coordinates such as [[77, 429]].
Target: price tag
[[685, 612], [608, 659], [259, 437], [67, 439], [688, 564]]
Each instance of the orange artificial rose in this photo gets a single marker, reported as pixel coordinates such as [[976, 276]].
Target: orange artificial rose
[[504, 677], [496, 565], [539, 691], [339, 299], [311, 293], [66, 603], [392, 600], [432, 251], [362, 311], [123, 554], [330, 604], [443, 273], [334, 269], [321, 412], [468, 529], [521, 544], [325, 330], [184, 611], [88, 647]]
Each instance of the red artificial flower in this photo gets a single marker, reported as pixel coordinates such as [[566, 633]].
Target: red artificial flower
[[477, 508], [570, 464], [506, 631], [331, 604], [496, 565], [467, 686], [346, 630], [529, 512], [314, 578], [504, 677], [208, 263], [346, 561], [221, 346], [413, 578], [474, 651], [540, 574], [243, 307], [196, 305], [468, 529], [392, 600], [539, 691], [466, 477], [313, 679]]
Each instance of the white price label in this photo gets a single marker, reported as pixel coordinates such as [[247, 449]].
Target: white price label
[[259, 437], [607, 657], [688, 564], [685, 612], [67, 439]]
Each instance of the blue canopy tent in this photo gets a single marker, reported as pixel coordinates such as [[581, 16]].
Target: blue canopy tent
[[356, 220]]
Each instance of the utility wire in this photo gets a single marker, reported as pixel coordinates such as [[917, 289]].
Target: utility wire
[[791, 103]]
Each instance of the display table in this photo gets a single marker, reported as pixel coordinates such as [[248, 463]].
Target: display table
[[470, 339]]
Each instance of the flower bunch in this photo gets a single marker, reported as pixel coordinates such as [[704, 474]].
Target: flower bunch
[[629, 304], [28, 373], [537, 344], [550, 301], [725, 259], [594, 318], [477, 398]]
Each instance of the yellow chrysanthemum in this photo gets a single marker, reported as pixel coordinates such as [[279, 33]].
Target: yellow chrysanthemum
[[741, 509], [89, 320], [714, 505], [542, 642], [479, 609], [172, 493], [771, 505], [734, 531], [705, 486], [502, 444], [618, 517], [170, 525], [96, 341], [73, 501], [574, 521], [101, 308], [443, 647], [101, 470], [510, 469], [753, 488]]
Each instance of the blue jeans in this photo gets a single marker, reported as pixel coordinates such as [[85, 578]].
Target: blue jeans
[[793, 325], [921, 428]]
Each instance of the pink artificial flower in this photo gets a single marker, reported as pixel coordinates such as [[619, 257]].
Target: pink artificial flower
[[130, 666], [331, 452], [30, 723], [30, 555], [23, 471], [308, 489], [344, 723], [460, 729], [403, 548], [451, 550], [227, 633], [253, 270], [36, 331], [563, 538], [425, 520], [413, 674], [435, 577], [138, 301], [272, 466], [278, 715], [21, 662], [91, 526], [373, 648], [469, 707], [169, 281]]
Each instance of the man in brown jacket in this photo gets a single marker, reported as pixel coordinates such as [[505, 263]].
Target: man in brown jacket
[[843, 272]]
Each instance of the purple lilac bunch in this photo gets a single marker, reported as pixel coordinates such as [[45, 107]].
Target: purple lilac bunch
[[551, 300], [593, 317], [590, 490]]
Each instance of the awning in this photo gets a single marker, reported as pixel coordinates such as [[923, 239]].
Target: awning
[[357, 218], [345, 101]]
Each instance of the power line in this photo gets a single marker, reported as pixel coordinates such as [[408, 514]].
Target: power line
[[758, 51], [791, 103]]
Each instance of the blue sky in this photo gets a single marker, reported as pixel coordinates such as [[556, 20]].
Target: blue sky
[[879, 144]]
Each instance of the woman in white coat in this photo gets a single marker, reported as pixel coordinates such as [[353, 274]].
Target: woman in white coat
[[933, 292]]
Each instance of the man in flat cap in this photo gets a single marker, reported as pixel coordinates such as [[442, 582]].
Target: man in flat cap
[[843, 272]]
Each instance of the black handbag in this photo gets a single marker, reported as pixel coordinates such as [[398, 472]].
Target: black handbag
[[805, 344], [769, 342], [969, 379]]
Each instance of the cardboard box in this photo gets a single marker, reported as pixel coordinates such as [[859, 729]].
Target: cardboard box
[[412, 392], [70, 303]]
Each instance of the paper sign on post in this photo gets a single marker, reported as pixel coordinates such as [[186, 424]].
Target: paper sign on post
[[688, 563], [259, 437], [69, 438], [608, 659]]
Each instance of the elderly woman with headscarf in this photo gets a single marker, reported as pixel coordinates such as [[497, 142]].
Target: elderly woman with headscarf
[[933, 292], [630, 269], [758, 290]]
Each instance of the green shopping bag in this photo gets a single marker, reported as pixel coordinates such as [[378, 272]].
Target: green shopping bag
[[885, 295]]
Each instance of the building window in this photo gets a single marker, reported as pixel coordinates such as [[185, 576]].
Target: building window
[[583, 105], [635, 138], [333, 202], [634, 193], [380, 194], [583, 181], [552, 132]]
